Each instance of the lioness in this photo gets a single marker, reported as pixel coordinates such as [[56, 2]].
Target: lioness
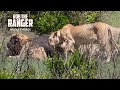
[[67, 46], [96, 33], [37, 53]]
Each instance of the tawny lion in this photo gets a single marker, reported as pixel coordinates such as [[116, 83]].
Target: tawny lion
[[96, 33], [20, 46], [16, 43]]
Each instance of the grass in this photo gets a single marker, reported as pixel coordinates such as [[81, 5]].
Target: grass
[[77, 66], [108, 70], [111, 17], [36, 70], [33, 69]]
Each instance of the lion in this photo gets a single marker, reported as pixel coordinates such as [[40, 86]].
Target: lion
[[28, 51], [21, 45], [37, 53], [68, 47], [93, 33], [16, 43]]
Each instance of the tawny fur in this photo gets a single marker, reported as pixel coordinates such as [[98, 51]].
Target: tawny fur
[[37, 53], [95, 33], [16, 43]]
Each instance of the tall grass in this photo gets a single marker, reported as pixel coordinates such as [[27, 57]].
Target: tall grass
[[77, 66]]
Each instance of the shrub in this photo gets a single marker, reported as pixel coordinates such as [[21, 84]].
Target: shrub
[[76, 67], [92, 16], [49, 21]]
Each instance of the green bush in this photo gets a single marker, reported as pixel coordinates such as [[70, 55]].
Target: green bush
[[49, 21], [76, 67], [92, 16]]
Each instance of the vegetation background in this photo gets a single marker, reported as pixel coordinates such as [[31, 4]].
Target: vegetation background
[[76, 67]]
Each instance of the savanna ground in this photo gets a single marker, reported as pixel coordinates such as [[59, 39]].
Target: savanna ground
[[76, 67]]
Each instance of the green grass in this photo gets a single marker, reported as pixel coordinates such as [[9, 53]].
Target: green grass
[[107, 70], [77, 66], [111, 17], [33, 69]]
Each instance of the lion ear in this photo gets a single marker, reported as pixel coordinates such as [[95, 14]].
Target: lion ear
[[42, 49], [58, 33], [50, 33], [66, 27], [55, 33]]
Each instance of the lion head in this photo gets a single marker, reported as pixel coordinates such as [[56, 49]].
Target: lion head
[[15, 44], [37, 53], [54, 38]]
